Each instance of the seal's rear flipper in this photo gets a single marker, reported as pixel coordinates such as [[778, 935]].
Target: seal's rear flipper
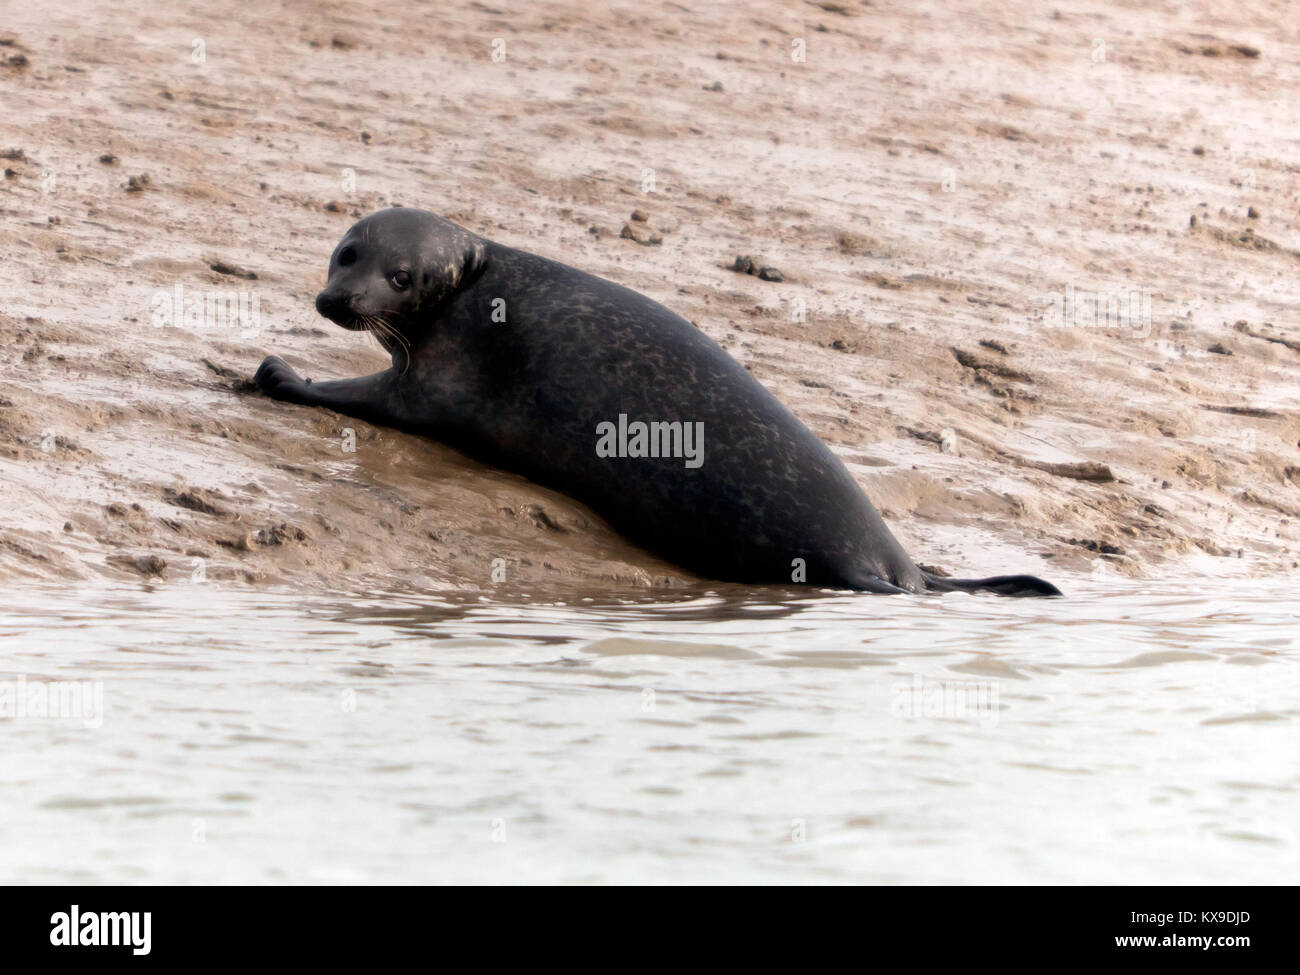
[[1002, 585], [871, 583]]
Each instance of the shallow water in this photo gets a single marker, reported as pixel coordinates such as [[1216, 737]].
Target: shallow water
[[1134, 735]]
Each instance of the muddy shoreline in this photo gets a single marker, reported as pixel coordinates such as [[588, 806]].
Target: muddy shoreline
[[948, 201]]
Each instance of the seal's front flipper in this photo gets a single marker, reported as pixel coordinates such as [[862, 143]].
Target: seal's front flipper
[[1002, 585], [278, 380], [368, 398]]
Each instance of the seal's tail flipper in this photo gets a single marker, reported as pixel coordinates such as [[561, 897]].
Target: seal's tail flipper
[[873, 583], [1002, 585]]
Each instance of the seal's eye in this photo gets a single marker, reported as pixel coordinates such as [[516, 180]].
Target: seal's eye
[[401, 280], [347, 257]]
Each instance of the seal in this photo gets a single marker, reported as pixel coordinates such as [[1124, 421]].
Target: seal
[[587, 387]]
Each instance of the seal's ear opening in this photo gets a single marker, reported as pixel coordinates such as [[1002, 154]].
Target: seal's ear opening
[[464, 262]]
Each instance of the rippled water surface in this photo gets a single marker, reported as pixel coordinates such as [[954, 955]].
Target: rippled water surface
[[1135, 735]]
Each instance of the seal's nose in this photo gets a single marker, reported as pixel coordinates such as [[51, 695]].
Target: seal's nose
[[334, 305]]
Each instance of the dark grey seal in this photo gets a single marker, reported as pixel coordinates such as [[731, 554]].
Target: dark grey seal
[[592, 389]]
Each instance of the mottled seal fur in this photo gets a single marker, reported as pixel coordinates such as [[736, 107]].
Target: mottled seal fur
[[528, 364]]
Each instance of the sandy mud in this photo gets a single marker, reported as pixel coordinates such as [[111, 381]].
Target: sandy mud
[[1035, 270]]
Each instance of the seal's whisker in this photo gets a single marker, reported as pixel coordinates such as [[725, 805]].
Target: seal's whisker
[[382, 326], [368, 324]]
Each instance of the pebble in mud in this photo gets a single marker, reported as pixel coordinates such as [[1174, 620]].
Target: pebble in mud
[[1092, 545], [192, 500], [233, 270], [744, 264], [280, 534], [146, 565], [645, 240]]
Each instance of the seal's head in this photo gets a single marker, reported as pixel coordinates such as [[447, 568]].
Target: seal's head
[[393, 269]]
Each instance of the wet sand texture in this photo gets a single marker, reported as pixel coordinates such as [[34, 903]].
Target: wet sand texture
[[905, 202]]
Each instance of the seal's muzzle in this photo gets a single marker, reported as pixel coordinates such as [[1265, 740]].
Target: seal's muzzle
[[336, 306]]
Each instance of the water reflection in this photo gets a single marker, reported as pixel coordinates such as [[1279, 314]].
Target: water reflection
[[1117, 735]]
